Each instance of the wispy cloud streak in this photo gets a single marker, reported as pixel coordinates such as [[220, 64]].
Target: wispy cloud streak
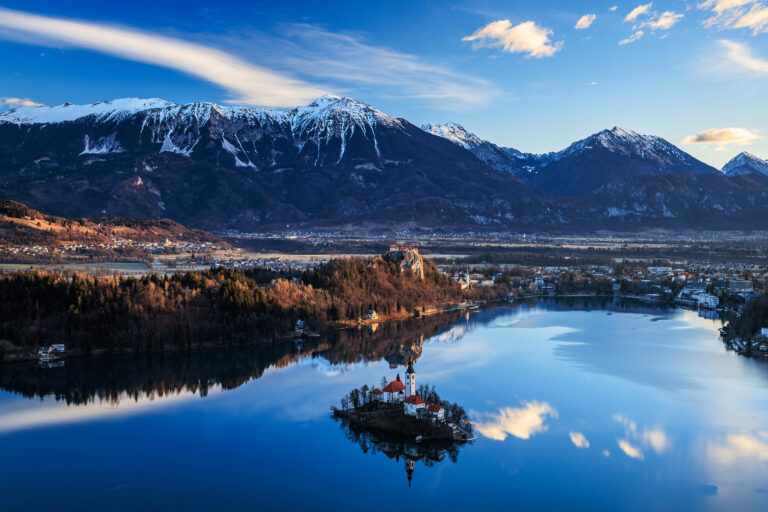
[[349, 61], [245, 82]]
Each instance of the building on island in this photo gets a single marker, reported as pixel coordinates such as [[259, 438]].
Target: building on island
[[395, 391], [377, 395], [414, 406], [436, 412]]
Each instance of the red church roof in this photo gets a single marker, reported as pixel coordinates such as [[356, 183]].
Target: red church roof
[[394, 387], [376, 391], [415, 400], [434, 407]]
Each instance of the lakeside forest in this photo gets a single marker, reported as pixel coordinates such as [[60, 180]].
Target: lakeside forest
[[224, 306], [214, 307]]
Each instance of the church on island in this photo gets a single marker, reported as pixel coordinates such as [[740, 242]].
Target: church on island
[[396, 392]]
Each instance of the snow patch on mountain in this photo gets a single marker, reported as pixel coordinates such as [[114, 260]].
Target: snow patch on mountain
[[333, 116], [102, 145], [455, 133]]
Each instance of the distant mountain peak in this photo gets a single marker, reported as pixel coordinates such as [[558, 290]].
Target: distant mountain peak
[[71, 112], [745, 163]]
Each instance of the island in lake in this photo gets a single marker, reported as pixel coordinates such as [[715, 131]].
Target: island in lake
[[403, 409]]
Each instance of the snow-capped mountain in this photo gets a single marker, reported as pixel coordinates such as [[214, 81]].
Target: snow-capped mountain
[[583, 166], [613, 154], [237, 166], [745, 163], [338, 162], [235, 130], [498, 157]]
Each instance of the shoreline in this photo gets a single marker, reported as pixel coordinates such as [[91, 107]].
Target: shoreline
[[27, 356]]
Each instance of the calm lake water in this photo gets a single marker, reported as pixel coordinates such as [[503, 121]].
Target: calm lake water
[[578, 406]]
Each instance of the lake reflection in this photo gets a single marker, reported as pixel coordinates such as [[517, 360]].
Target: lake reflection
[[579, 405]]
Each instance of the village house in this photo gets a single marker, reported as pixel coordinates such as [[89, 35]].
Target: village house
[[414, 406], [436, 412]]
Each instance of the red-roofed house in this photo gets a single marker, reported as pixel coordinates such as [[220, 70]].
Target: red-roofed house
[[395, 391], [437, 411], [414, 404], [377, 395]]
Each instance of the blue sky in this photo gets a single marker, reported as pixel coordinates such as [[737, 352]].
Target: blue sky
[[520, 74]]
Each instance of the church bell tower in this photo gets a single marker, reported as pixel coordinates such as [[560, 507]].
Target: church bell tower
[[410, 379]]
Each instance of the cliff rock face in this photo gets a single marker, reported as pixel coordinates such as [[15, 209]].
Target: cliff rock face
[[409, 259]]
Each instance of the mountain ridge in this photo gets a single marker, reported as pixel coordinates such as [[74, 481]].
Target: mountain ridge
[[624, 153], [338, 162]]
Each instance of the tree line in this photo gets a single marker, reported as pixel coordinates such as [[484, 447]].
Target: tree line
[[216, 306]]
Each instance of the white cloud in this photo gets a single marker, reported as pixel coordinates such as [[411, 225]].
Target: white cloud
[[578, 440], [606, 453], [664, 21], [723, 5], [245, 82], [634, 37], [526, 37], [19, 102], [585, 21], [654, 21], [756, 19], [741, 55], [347, 59], [613, 8], [735, 14], [723, 137], [520, 422], [637, 12]]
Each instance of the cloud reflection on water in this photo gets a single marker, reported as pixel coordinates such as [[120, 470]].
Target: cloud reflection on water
[[578, 440], [50, 413], [521, 422], [654, 438], [737, 448]]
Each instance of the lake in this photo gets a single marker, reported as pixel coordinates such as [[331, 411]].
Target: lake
[[578, 405]]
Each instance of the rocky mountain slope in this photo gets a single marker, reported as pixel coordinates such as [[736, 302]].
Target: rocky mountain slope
[[21, 225], [746, 163], [510, 160]]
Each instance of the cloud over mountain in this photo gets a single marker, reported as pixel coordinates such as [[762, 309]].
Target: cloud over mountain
[[723, 137], [245, 82]]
